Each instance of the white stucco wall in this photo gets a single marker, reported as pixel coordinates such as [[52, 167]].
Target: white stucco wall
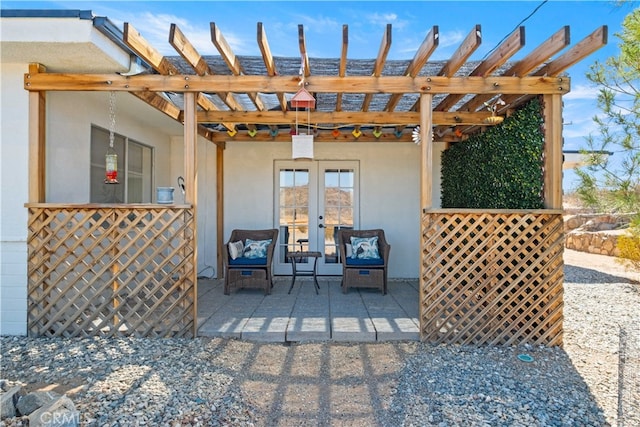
[[69, 136], [14, 155], [389, 191], [207, 200]]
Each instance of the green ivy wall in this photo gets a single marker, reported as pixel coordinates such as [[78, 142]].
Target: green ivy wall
[[500, 168]]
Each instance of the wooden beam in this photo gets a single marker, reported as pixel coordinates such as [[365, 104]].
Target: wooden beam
[[190, 148], [554, 44], [576, 53], [459, 57], [320, 84], [429, 44], [181, 44], [269, 62], [321, 136], [159, 103], [159, 62], [232, 62], [510, 46], [546, 50], [219, 211], [303, 51], [378, 66], [552, 151], [342, 71], [426, 153], [147, 52], [464, 51], [191, 184], [341, 117], [37, 141]]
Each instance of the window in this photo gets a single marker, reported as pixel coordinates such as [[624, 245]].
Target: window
[[135, 170]]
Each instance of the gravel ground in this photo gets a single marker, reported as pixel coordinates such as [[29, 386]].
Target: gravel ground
[[592, 381]]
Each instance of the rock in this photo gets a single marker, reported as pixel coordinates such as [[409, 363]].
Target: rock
[[34, 400], [8, 401], [60, 412]]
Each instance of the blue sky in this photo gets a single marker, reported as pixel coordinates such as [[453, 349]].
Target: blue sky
[[411, 21]]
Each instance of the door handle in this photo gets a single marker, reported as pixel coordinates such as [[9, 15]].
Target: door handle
[[320, 225]]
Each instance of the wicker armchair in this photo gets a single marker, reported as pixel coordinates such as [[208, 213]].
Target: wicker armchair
[[364, 273], [245, 272]]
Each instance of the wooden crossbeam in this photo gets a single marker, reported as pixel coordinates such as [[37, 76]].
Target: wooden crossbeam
[[320, 84], [341, 117]]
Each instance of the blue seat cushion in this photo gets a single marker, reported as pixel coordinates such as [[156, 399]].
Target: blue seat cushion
[[242, 261], [365, 262]]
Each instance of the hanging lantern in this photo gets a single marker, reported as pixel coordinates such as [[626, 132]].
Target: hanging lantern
[[302, 144], [111, 163], [111, 158], [303, 99]]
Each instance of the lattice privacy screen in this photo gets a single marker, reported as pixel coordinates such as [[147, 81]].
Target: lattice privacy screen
[[111, 271], [492, 278]]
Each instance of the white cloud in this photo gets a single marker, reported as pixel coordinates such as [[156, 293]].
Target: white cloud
[[582, 91], [382, 19]]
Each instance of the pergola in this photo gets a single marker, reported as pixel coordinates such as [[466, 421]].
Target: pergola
[[228, 98]]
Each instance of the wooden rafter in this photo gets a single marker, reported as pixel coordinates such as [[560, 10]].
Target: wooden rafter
[[576, 53], [232, 61], [429, 44], [342, 71], [515, 86], [459, 57], [303, 51], [160, 63], [185, 48], [554, 44], [269, 62], [385, 45]]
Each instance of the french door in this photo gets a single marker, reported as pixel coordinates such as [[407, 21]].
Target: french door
[[313, 201]]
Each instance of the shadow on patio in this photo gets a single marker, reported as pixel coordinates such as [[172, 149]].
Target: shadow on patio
[[362, 315]]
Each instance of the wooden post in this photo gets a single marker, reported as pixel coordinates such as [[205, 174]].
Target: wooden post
[[219, 208], [552, 151], [426, 153], [37, 141], [191, 183], [426, 184]]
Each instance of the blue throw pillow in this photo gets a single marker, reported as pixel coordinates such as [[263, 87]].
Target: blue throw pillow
[[364, 248], [256, 248]]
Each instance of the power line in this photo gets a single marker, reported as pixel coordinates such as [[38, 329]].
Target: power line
[[519, 24]]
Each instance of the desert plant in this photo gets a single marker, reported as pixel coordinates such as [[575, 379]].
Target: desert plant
[[629, 245]]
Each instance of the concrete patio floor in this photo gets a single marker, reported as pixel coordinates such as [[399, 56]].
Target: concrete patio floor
[[362, 315]]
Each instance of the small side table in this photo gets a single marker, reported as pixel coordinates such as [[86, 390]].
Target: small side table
[[294, 257]]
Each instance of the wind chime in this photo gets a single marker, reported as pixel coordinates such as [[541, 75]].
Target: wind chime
[[302, 144], [111, 158]]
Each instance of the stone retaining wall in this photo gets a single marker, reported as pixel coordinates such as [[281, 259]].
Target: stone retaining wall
[[595, 233]]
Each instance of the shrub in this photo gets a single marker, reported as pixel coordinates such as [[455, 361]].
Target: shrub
[[629, 245]]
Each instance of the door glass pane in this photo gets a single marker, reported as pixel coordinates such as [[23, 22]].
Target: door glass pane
[[338, 202], [294, 212]]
